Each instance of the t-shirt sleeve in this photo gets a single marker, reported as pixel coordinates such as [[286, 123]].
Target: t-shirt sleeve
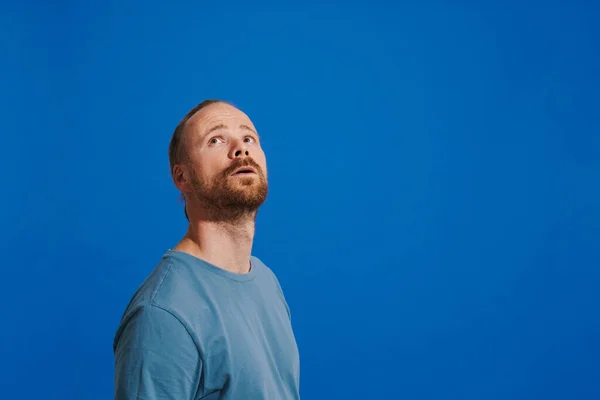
[[156, 358]]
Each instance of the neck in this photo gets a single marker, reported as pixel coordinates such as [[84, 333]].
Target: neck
[[225, 244]]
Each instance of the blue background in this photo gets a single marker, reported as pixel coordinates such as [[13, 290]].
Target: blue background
[[434, 207]]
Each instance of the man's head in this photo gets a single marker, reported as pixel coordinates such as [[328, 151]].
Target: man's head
[[217, 161]]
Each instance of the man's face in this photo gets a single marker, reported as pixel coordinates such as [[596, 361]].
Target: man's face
[[226, 163]]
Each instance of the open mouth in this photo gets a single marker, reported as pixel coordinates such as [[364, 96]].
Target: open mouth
[[244, 171]]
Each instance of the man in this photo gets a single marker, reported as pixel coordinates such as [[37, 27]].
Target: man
[[211, 321]]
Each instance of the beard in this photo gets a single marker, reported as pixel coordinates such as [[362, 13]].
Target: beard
[[226, 197]]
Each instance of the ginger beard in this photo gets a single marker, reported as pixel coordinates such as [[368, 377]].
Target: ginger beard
[[226, 196]]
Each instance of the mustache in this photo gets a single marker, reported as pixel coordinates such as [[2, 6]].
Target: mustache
[[243, 162]]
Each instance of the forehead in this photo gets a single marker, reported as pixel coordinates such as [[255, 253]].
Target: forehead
[[216, 114]]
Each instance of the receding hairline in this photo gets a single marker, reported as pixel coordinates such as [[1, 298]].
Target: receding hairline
[[201, 107]]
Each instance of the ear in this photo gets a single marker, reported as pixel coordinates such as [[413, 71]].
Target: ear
[[181, 178]]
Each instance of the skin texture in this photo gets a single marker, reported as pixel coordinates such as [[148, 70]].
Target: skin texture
[[222, 206]]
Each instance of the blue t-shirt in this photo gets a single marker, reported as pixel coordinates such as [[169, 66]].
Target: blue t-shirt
[[195, 331]]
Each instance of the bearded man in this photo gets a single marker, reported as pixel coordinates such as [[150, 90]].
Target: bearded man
[[211, 321]]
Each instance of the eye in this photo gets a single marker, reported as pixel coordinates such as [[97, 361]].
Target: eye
[[215, 140], [249, 139]]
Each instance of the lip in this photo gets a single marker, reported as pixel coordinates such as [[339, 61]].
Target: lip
[[250, 170]]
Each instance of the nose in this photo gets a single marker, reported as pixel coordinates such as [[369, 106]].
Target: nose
[[240, 150]]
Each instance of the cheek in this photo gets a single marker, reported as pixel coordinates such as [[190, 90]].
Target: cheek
[[262, 162], [199, 173], [205, 167]]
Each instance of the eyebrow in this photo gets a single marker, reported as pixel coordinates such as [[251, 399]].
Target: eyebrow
[[214, 128], [223, 126], [248, 128]]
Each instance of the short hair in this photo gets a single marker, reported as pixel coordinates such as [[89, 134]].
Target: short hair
[[177, 150]]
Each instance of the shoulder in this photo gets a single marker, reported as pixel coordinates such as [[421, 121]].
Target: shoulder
[[168, 290], [271, 277], [156, 286], [173, 282], [268, 273], [263, 268]]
